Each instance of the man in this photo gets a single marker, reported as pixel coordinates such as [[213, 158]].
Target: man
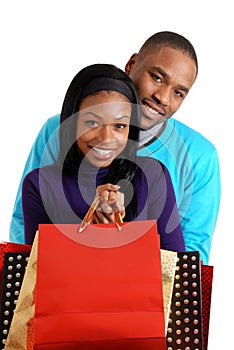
[[163, 71]]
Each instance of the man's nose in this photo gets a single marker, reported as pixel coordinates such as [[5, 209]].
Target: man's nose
[[162, 95]]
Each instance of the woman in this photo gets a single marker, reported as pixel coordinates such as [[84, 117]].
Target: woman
[[99, 131]]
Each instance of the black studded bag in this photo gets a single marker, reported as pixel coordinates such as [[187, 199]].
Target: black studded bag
[[13, 261]]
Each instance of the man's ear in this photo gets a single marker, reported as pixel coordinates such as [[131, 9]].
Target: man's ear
[[130, 64]]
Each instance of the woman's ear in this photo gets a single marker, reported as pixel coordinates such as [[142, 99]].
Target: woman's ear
[[130, 64]]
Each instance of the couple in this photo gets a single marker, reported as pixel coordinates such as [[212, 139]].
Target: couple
[[163, 72]]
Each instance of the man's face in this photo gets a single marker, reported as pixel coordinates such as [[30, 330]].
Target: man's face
[[163, 77]]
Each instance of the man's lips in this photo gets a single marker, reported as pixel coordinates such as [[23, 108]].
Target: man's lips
[[151, 111]]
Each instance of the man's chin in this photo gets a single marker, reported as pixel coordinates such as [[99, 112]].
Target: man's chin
[[148, 123]]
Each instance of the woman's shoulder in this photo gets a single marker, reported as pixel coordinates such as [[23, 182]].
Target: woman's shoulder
[[44, 172], [152, 169], [150, 162]]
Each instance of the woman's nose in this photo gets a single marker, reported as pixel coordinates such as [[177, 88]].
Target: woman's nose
[[106, 133]]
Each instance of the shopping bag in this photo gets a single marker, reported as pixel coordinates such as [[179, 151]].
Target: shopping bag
[[13, 260], [10, 247], [168, 266], [207, 282], [21, 332], [101, 289], [188, 324]]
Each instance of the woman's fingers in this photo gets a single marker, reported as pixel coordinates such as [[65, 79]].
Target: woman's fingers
[[107, 187], [106, 208], [108, 193], [108, 196], [102, 218], [111, 200], [119, 201]]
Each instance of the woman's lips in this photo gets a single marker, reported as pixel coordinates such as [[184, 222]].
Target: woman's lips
[[102, 153]]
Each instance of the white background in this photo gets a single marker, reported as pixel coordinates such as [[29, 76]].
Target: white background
[[45, 43]]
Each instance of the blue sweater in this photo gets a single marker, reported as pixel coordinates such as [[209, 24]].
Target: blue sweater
[[193, 165], [194, 168]]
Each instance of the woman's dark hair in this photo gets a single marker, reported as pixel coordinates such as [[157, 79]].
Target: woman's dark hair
[[123, 167]]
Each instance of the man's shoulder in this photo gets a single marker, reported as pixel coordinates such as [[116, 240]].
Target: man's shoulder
[[190, 136], [192, 139], [52, 122]]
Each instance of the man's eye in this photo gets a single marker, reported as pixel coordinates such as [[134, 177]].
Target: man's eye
[[157, 78], [179, 93]]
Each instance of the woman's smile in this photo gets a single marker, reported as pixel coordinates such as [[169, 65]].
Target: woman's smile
[[103, 153]]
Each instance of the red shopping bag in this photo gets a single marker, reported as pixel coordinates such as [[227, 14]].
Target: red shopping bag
[[207, 281], [100, 289]]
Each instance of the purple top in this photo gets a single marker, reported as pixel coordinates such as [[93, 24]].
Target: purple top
[[49, 197]]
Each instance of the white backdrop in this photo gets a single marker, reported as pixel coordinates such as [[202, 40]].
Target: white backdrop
[[45, 43]]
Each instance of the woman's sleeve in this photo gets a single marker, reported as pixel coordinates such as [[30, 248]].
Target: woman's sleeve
[[34, 212], [169, 227], [162, 206]]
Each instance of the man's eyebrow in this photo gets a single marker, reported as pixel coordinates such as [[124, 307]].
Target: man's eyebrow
[[161, 71], [166, 75], [183, 88]]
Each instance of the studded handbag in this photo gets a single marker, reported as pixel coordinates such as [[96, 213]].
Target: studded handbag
[[21, 331], [188, 324], [13, 261], [99, 289]]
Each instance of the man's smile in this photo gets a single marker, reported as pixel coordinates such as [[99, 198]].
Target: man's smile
[[151, 110]]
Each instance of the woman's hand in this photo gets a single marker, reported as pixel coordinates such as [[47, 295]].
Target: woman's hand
[[111, 201]]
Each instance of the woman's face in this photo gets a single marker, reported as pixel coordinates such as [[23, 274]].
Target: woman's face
[[103, 126]]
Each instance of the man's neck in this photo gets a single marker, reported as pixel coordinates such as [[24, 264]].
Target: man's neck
[[151, 134]]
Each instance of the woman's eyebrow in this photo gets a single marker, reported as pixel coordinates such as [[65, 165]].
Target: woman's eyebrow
[[87, 114], [123, 116]]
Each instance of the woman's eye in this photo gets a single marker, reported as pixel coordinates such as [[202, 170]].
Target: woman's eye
[[92, 123], [120, 126]]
